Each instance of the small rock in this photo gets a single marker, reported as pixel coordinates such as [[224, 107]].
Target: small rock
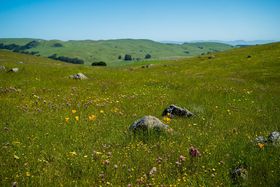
[[13, 70], [78, 76], [239, 173], [148, 123], [261, 139], [174, 110], [14, 184], [153, 171], [2, 68], [147, 66], [274, 137]]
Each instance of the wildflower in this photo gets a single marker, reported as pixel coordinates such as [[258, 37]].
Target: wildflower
[[73, 153], [74, 111], [166, 119], [153, 171], [92, 117], [16, 157], [182, 158], [194, 152], [85, 156], [102, 111], [27, 174], [106, 162], [77, 118], [261, 145], [67, 119]]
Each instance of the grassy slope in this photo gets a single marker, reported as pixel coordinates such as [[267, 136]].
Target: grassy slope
[[235, 98], [109, 50]]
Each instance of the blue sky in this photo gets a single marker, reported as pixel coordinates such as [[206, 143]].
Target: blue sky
[[161, 20]]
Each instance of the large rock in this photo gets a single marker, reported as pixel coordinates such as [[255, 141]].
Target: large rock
[[14, 70], [174, 110], [78, 76], [274, 137], [148, 123]]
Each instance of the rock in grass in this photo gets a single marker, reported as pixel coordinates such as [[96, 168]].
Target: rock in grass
[[274, 137], [14, 70], [2, 68], [174, 110], [239, 174], [148, 123], [261, 139], [78, 76]]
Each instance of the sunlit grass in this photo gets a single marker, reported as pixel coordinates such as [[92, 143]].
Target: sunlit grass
[[59, 131]]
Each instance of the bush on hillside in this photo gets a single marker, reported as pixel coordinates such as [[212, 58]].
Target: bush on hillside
[[127, 57], [148, 56], [101, 63]]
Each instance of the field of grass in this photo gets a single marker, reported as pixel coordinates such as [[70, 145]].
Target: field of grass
[[109, 50], [48, 139]]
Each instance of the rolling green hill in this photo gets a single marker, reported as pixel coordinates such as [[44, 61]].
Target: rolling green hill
[[110, 50], [56, 131]]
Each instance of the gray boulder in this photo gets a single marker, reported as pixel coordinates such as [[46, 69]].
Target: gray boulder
[[14, 70], [148, 123], [174, 110], [78, 76], [274, 137]]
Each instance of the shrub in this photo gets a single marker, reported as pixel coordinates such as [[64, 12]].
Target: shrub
[[127, 57], [101, 63], [148, 56]]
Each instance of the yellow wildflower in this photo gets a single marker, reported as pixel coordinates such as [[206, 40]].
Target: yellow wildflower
[[102, 111], [261, 145], [77, 118], [92, 117], [73, 153], [27, 174], [67, 119], [166, 119], [74, 111]]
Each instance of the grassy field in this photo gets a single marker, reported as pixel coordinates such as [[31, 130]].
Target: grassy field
[[48, 139], [109, 50]]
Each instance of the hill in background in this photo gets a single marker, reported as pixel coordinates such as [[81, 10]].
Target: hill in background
[[113, 52]]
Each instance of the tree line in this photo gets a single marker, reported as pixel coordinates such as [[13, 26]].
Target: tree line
[[67, 59]]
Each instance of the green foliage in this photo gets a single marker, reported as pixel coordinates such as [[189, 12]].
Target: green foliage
[[148, 56], [101, 63], [127, 57], [45, 142]]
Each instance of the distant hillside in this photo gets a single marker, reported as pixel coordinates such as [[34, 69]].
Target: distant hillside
[[114, 51]]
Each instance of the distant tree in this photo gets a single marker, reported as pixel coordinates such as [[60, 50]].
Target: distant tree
[[101, 63], [127, 57], [57, 45], [148, 56], [120, 57], [67, 59]]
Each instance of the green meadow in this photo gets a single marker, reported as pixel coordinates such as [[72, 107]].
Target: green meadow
[[56, 131], [109, 50]]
